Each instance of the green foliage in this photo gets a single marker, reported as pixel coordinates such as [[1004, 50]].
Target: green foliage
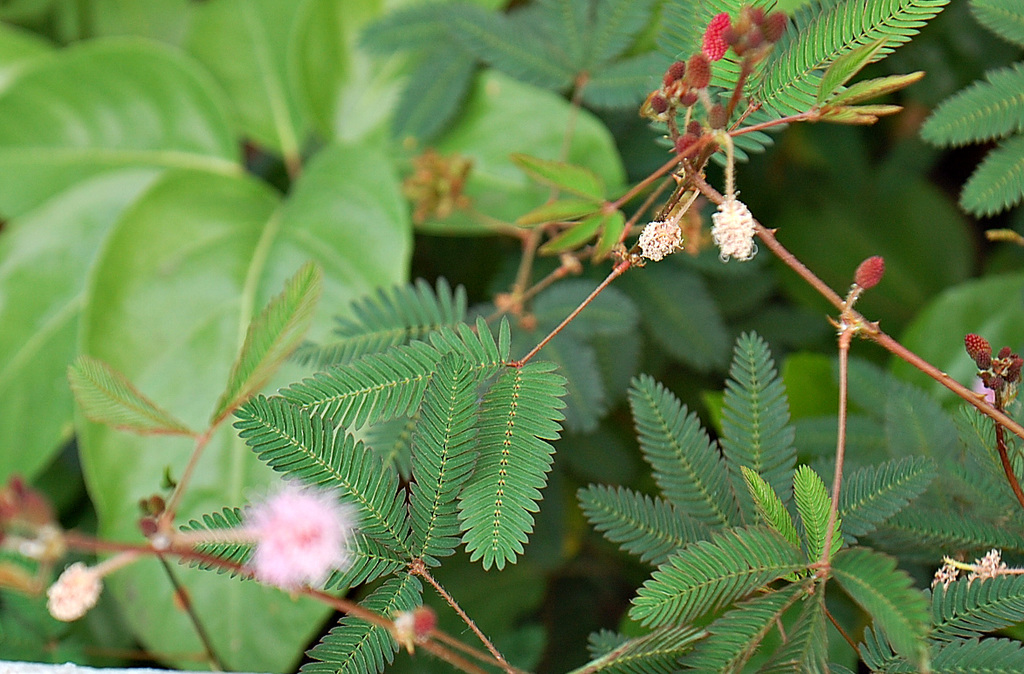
[[707, 575], [824, 30], [770, 508], [390, 317], [687, 466], [231, 552], [271, 337], [873, 494], [755, 422], [444, 452], [650, 528], [887, 594], [968, 609], [813, 503], [986, 111], [657, 652], [519, 416], [357, 647], [106, 396]]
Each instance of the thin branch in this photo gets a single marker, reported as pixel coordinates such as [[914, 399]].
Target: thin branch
[[617, 271], [186, 602], [1004, 459], [833, 512], [418, 568]]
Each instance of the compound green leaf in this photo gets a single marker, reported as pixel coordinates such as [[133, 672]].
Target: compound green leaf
[[561, 175]]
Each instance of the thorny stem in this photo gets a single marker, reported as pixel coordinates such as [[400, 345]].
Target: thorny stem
[[617, 271], [418, 568], [186, 602]]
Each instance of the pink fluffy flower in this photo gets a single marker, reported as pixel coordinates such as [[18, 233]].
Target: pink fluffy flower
[[302, 534], [74, 593], [715, 44]]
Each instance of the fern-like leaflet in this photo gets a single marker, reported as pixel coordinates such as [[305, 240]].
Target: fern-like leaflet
[[519, 416]]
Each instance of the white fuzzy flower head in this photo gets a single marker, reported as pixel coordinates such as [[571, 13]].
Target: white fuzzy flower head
[[74, 593], [660, 238], [733, 230], [302, 535], [989, 566], [946, 574]]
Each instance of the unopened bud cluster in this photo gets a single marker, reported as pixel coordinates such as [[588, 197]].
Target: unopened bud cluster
[[999, 373]]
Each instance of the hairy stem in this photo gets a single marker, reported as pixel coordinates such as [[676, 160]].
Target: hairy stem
[[833, 512], [1004, 459]]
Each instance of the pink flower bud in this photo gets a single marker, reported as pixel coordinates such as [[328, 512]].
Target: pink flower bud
[[869, 272], [715, 45]]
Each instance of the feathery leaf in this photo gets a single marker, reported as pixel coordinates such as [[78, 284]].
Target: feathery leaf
[[444, 451], [436, 89], [985, 655], [998, 182], [889, 597], [806, 649], [616, 24], [845, 67], [686, 465], [649, 528], [625, 83], [735, 636], [355, 646], [982, 111], [933, 530], [755, 423], [368, 561], [657, 652], [307, 448], [970, 609], [271, 337], [107, 397], [873, 494], [770, 507], [389, 317], [570, 178], [824, 30], [518, 417], [1005, 18], [707, 575], [813, 503], [228, 518]]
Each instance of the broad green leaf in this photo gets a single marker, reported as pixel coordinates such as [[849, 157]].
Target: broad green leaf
[[977, 306], [244, 44], [45, 258], [107, 397], [561, 175], [272, 336], [347, 93], [162, 20], [18, 48], [878, 86], [495, 185], [845, 67], [610, 233], [562, 209], [180, 279], [889, 597], [857, 114], [575, 236], [103, 105]]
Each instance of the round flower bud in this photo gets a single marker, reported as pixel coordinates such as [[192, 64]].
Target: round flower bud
[[698, 71], [674, 72], [716, 117], [684, 144], [715, 45], [695, 128], [869, 272], [774, 26], [75, 592], [1005, 352], [688, 99], [659, 104], [977, 347]]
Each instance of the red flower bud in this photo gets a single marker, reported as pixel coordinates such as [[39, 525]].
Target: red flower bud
[[695, 128], [688, 99], [714, 45], [659, 104], [674, 72], [774, 26], [869, 272], [717, 117], [978, 346], [684, 144], [1005, 352], [698, 71]]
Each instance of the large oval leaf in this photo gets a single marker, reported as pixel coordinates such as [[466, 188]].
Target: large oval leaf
[[244, 43], [104, 105], [45, 257], [183, 273]]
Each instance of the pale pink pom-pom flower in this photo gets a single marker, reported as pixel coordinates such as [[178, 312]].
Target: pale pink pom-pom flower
[[733, 230], [74, 593], [301, 533]]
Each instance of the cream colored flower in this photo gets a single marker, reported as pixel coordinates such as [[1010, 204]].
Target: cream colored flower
[[989, 566], [660, 238], [74, 593], [733, 230]]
